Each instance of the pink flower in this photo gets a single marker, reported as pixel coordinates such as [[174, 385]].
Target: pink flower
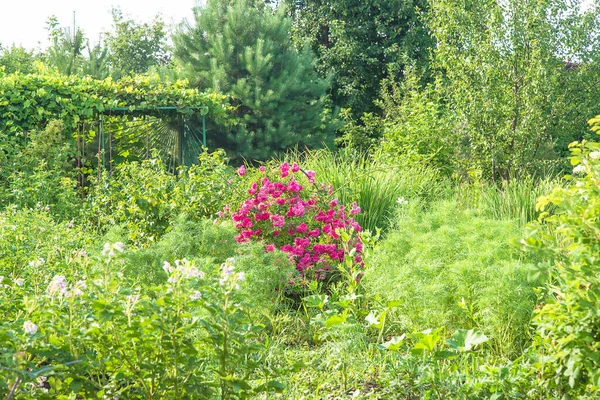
[[261, 168], [314, 233], [241, 170], [278, 220], [246, 223], [295, 168], [285, 169], [294, 186], [333, 203], [355, 209], [253, 189], [262, 216], [269, 248], [311, 176], [301, 228]]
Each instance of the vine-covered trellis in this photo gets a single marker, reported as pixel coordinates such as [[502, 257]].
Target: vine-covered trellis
[[92, 111]]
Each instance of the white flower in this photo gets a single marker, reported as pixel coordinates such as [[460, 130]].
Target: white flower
[[107, 250], [196, 295], [402, 201], [580, 169], [30, 327], [57, 285], [595, 155], [172, 279], [167, 267], [223, 280], [119, 247], [133, 298], [37, 263], [241, 277], [19, 281]]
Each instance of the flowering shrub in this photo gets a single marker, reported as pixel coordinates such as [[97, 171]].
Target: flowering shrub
[[88, 332], [290, 212]]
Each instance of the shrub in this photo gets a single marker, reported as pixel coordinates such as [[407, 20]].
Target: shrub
[[91, 332], [292, 213], [567, 322], [144, 198]]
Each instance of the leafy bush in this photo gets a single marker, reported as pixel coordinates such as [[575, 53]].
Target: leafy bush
[[416, 128], [89, 332], [567, 322], [290, 212], [37, 172], [145, 198], [452, 269]]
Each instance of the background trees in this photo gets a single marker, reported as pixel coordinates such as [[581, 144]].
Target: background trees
[[359, 42], [135, 47], [516, 77], [243, 49]]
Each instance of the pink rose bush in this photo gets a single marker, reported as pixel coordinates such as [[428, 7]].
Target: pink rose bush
[[288, 211]]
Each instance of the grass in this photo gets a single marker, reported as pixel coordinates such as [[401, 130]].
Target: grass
[[374, 185], [515, 199]]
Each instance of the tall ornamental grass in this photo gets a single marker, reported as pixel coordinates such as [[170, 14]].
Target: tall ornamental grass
[[374, 185]]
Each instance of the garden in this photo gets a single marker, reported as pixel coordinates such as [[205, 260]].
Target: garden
[[266, 208]]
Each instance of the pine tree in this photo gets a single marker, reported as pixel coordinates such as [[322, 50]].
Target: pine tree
[[243, 49]]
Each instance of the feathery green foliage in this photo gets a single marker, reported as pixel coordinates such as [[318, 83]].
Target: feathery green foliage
[[453, 269]]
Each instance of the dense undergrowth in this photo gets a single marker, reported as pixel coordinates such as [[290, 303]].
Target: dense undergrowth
[[146, 287]]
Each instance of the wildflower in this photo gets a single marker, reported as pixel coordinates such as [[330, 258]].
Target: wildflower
[[311, 176], [595, 155], [119, 247], [579, 170], [57, 285], [355, 209], [295, 168], [196, 295], [241, 170], [261, 168], [401, 201], [37, 263], [19, 281], [133, 298], [167, 267], [227, 269], [241, 276], [30, 327]]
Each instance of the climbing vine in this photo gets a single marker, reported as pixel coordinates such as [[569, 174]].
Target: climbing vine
[[29, 102]]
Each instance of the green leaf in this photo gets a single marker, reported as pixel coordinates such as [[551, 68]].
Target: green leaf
[[316, 301], [463, 340], [394, 344]]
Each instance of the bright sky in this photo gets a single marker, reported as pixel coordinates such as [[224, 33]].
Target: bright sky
[[23, 22]]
